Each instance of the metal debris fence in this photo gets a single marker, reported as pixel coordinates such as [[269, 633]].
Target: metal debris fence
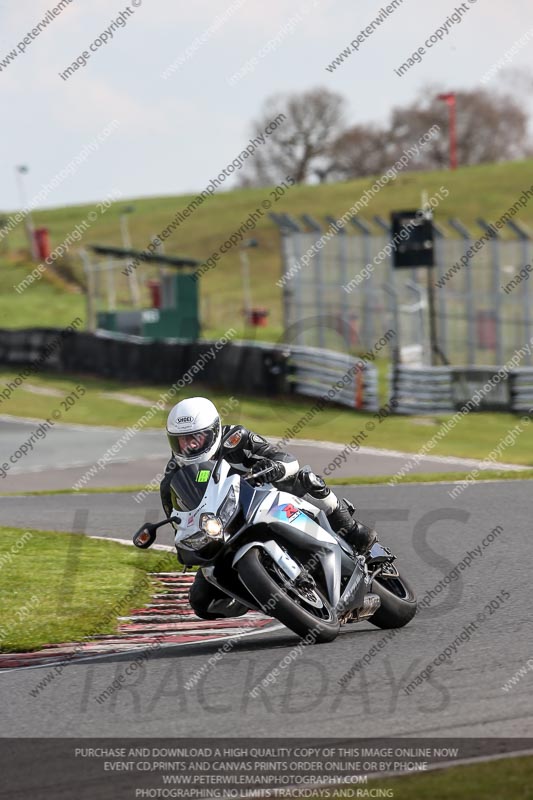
[[347, 294]]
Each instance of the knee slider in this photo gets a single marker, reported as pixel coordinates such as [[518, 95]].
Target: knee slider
[[313, 484]]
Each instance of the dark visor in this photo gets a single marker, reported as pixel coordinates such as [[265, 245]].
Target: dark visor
[[189, 444]]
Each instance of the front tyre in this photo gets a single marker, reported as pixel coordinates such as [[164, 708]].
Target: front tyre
[[398, 600], [302, 608], [202, 593]]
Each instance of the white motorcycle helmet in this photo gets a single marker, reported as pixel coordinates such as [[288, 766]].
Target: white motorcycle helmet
[[193, 430]]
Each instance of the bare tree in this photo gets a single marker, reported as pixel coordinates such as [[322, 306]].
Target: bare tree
[[491, 127], [301, 145], [360, 151], [311, 144]]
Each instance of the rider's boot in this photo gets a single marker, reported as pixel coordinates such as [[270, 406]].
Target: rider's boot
[[359, 535], [339, 514]]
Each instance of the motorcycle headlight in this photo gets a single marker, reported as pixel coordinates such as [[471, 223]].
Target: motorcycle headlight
[[211, 525], [211, 530], [228, 507]]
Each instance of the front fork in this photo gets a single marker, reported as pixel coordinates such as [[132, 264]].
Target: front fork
[[379, 561]]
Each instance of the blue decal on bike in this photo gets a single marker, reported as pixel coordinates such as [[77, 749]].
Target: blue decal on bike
[[287, 512]]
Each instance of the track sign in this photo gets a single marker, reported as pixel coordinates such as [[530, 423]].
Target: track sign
[[412, 239]]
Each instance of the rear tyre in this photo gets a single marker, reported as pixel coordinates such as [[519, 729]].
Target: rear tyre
[[304, 611], [398, 602]]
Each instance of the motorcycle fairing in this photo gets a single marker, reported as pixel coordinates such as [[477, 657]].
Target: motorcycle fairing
[[262, 507], [304, 532]]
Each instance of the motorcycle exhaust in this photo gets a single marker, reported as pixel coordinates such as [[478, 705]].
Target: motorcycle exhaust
[[370, 605]]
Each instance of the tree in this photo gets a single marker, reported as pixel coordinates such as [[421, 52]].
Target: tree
[[312, 144], [491, 127], [360, 151], [301, 144]]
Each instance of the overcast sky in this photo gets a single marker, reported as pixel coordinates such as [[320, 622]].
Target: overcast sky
[[175, 134]]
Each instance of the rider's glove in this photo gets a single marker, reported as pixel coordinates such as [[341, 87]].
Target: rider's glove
[[275, 471]]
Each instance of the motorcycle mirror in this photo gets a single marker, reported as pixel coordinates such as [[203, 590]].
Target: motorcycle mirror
[[233, 437], [146, 535], [230, 440]]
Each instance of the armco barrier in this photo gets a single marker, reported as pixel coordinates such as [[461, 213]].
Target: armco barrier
[[247, 367], [521, 389], [314, 372], [39, 347], [132, 358], [443, 390]]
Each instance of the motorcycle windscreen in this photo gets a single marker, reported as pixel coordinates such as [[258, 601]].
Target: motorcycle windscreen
[[189, 483]]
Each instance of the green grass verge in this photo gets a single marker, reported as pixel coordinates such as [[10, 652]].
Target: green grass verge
[[43, 305], [479, 191], [505, 779], [60, 587], [474, 437], [432, 477]]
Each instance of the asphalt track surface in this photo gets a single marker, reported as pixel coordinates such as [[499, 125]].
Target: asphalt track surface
[[67, 452], [431, 534]]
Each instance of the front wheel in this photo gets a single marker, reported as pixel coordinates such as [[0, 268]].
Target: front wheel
[[301, 607], [398, 600]]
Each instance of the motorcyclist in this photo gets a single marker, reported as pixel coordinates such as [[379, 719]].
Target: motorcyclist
[[195, 434]]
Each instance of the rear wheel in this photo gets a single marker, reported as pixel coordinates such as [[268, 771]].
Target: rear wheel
[[398, 600], [300, 605]]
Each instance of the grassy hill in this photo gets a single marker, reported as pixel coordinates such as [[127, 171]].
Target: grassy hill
[[485, 191]]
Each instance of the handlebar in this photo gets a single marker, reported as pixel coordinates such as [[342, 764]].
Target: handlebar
[[146, 535], [251, 474]]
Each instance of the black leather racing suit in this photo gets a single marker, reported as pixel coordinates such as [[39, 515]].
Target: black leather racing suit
[[251, 450]]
